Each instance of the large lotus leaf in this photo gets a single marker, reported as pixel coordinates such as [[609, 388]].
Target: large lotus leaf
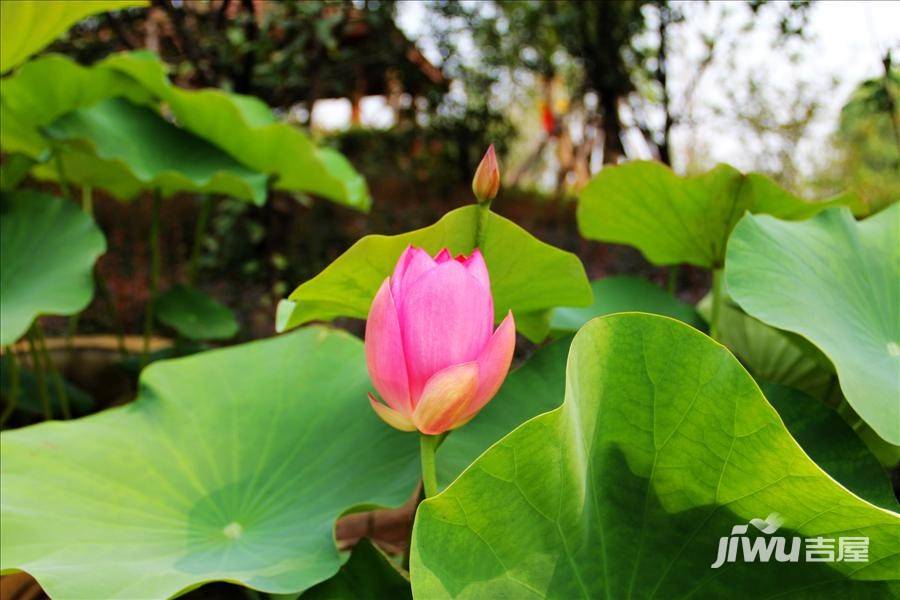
[[764, 196], [51, 86], [887, 454], [245, 128], [195, 315], [535, 387], [771, 355], [835, 282], [231, 465], [14, 170], [48, 247], [832, 444], [527, 275], [623, 293], [45, 89], [663, 444], [368, 575], [673, 219], [129, 148], [26, 26]]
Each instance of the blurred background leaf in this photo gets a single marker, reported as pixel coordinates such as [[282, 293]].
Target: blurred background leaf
[[30, 25]]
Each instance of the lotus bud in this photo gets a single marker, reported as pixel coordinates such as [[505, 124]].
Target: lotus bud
[[431, 349], [486, 182]]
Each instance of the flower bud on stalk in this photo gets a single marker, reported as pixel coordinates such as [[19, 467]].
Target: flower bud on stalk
[[431, 350], [486, 182]]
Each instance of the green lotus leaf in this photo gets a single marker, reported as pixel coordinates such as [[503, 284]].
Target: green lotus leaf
[[245, 127], [769, 354], [673, 219], [231, 465], [528, 276], [133, 364], [832, 444], [27, 26], [623, 293], [538, 386], [195, 314], [48, 247], [887, 454], [125, 149], [835, 282], [662, 445], [368, 575], [14, 170], [47, 88], [242, 126]]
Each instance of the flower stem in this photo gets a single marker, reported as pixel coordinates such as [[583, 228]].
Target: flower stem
[[14, 379], [37, 367], [481, 222], [87, 205], [106, 294], [672, 286], [87, 200], [61, 174], [55, 376], [428, 445], [716, 304], [199, 235], [154, 276]]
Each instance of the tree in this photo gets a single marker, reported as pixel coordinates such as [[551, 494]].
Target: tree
[[287, 53], [867, 141]]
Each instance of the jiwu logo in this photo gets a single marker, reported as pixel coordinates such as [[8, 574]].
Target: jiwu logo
[[763, 549], [759, 549]]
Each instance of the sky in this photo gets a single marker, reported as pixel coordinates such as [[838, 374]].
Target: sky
[[847, 40]]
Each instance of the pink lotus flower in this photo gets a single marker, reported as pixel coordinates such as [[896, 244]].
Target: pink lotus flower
[[430, 346]]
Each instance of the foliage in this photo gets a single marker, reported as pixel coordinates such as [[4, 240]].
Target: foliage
[[547, 38], [28, 26], [14, 170], [769, 354], [833, 281], [126, 149], [662, 445], [527, 276], [45, 89], [367, 575], [832, 444], [280, 52], [30, 396], [613, 463], [242, 127], [246, 128], [232, 464], [442, 153], [676, 220], [47, 252], [624, 294], [868, 141], [195, 315]]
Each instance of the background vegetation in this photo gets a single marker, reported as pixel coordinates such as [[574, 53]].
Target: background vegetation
[[229, 150]]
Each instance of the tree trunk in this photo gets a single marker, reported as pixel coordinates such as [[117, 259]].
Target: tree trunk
[[662, 77], [613, 150]]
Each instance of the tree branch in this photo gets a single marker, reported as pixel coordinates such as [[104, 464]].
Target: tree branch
[[127, 40], [244, 81], [185, 45]]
